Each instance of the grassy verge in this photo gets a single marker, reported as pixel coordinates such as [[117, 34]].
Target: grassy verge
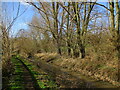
[[16, 79], [43, 79]]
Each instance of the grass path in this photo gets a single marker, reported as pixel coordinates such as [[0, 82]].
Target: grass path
[[26, 77]]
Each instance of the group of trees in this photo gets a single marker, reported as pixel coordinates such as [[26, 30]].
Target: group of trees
[[68, 28], [66, 23], [69, 23]]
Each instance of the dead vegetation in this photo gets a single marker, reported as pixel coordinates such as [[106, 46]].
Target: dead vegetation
[[89, 66], [47, 57]]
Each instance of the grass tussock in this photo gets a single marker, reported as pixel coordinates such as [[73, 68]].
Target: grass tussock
[[47, 57]]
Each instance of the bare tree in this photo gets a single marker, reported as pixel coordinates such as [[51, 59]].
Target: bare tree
[[6, 25], [115, 27], [52, 16], [80, 30]]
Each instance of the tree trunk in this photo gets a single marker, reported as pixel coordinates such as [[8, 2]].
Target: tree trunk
[[59, 48], [112, 20], [82, 50], [6, 51], [118, 36], [115, 30], [76, 52], [77, 20], [68, 33], [69, 50], [119, 61], [55, 7]]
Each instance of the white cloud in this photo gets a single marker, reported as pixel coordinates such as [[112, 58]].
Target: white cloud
[[24, 3]]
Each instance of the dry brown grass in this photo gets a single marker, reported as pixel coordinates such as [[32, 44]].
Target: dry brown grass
[[100, 70], [106, 71], [47, 56]]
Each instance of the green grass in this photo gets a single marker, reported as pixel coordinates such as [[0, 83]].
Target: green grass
[[16, 80], [43, 80], [41, 84]]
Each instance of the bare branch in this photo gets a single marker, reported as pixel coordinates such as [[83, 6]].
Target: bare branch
[[103, 6]]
